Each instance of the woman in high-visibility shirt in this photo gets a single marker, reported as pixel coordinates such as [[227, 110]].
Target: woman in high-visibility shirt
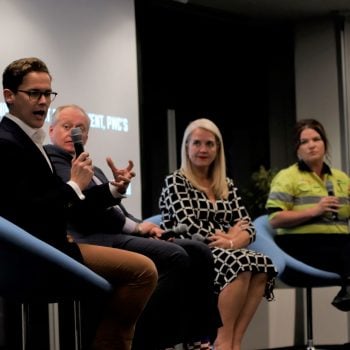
[[308, 204]]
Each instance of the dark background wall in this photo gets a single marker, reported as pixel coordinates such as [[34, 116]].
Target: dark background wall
[[235, 71]]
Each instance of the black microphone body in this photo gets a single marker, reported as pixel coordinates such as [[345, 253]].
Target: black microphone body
[[330, 191], [175, 232], [77, 139]]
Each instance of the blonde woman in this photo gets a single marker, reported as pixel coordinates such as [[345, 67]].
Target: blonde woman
[[200, 195]]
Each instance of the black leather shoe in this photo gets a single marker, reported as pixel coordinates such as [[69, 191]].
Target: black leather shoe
[[342, 299]]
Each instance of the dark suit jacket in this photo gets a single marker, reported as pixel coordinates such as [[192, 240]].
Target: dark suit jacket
[[103, 222], [31, 195]]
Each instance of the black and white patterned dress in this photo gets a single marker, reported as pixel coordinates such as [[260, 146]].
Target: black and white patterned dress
[[180, 202]]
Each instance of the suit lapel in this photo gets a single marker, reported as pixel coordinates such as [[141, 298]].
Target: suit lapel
[[24, 141]]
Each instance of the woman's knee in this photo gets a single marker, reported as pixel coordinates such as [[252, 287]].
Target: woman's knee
[[260, 278], [245, 276]]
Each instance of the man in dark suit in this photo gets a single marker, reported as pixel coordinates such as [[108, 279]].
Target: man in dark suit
[[183, 305], [37, 200]]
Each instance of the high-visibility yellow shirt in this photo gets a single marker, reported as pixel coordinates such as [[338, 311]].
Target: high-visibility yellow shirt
[[296, 189]]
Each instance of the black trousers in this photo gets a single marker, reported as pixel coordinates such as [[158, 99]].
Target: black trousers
[[184, 305], [330, 252]]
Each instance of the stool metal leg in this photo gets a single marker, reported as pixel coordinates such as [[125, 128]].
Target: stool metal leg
[[54, 329], [53, 326], [310, 337], [77, 324], [24, 324]]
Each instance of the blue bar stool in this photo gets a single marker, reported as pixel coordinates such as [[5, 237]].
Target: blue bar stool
[[293, 272], [33, 271]]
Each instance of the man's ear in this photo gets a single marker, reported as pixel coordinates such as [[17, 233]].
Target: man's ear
[[50, 130], [9, 96]]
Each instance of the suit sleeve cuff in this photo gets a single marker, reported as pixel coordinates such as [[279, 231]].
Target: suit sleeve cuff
[[76, 189], [115, 192]]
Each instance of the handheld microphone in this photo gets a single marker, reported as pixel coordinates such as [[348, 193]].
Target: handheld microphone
[[198, 237], [330, 190], [174, 232], [77, 138]]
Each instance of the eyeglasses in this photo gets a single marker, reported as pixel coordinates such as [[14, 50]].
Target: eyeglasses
[[35, 95]]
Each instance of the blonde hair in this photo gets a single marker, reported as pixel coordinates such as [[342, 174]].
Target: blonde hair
[[217, 170]]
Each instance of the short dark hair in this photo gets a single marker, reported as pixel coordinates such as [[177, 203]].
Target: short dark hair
[[310, 124], [14, 73]]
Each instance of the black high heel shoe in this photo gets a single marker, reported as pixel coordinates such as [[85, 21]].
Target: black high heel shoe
[[342, 299]]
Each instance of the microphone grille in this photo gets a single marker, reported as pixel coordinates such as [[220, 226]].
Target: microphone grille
[[198, 237], [76, 135], [181, 228], [329, 185]]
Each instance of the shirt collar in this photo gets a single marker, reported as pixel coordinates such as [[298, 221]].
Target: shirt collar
[[37, 135], [304, 167]]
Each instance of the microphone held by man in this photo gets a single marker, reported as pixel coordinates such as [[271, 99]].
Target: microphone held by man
[[198, 237], [77, 139], [174, 232]]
